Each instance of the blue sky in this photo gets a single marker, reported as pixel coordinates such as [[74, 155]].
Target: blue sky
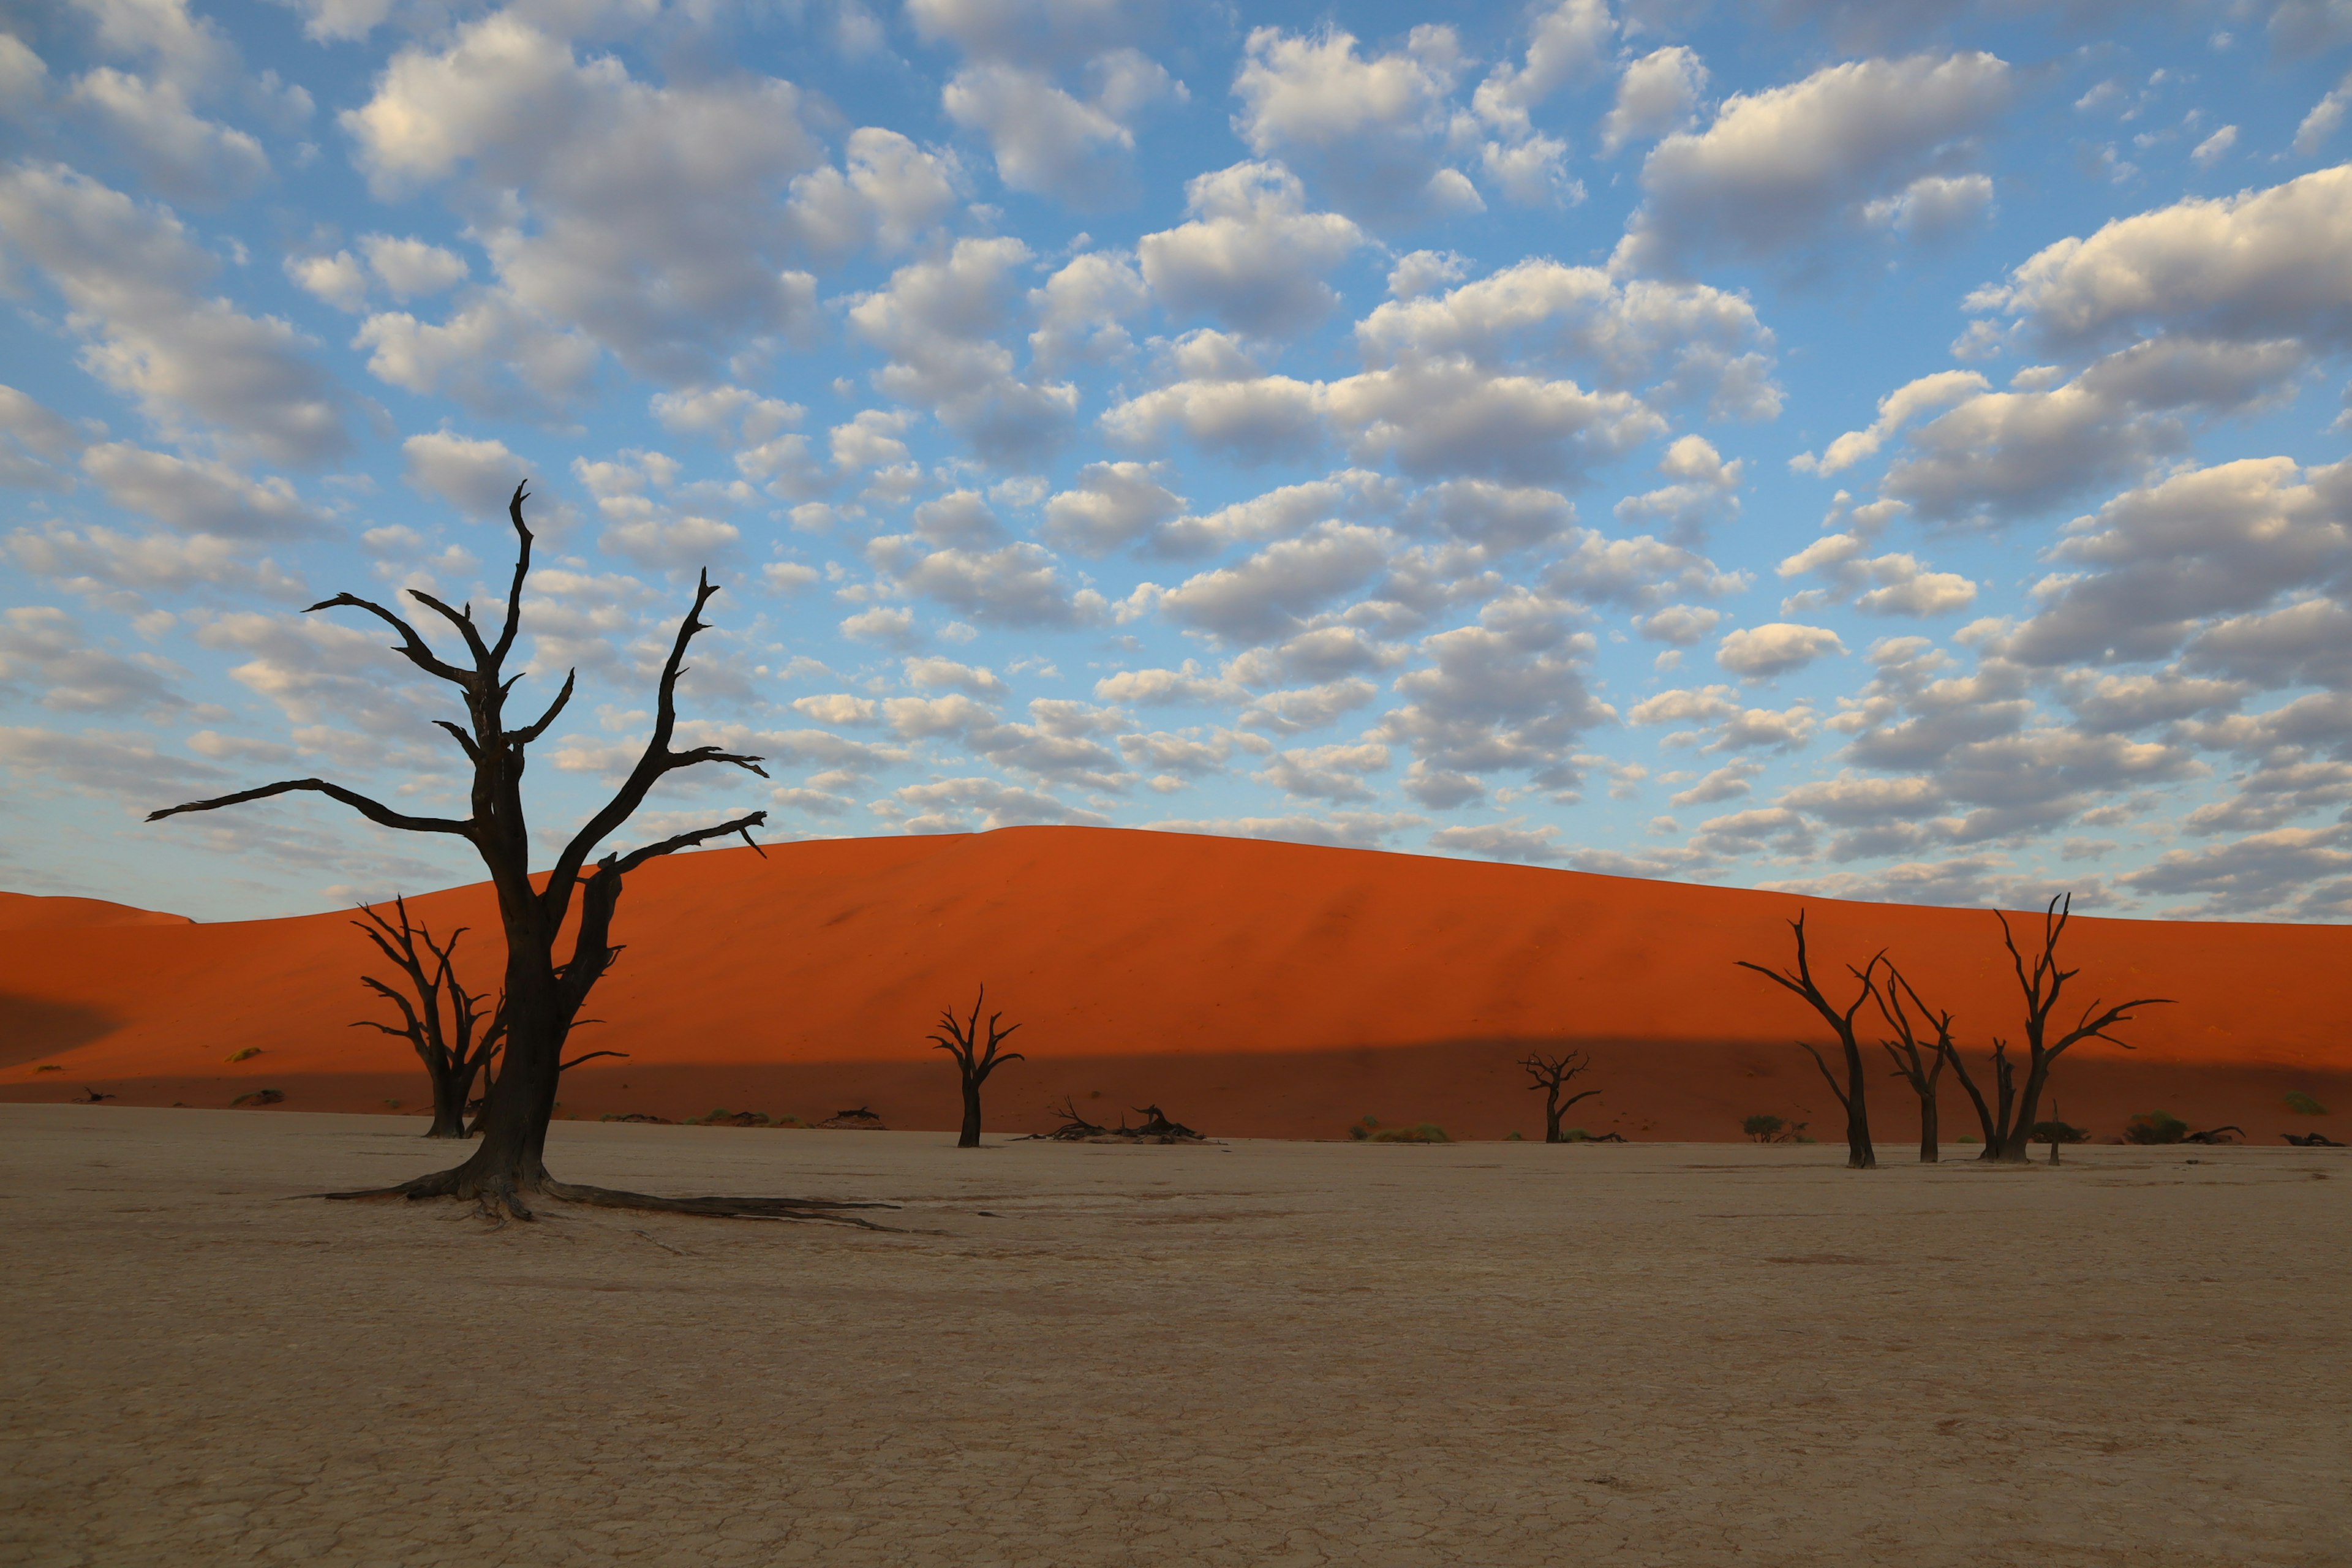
[[1881, 450]]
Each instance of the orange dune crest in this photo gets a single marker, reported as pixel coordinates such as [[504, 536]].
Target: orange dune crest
[[1251, 988]]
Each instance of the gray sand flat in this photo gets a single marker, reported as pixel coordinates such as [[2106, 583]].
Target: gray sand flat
[[1258, 1353]]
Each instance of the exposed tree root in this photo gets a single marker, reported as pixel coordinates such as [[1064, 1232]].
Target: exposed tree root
[[500, 1200]]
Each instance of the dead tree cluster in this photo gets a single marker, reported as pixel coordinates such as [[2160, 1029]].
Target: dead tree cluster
[[542, 992], [1918, 1041], [1156, 1128], [454, 1032]]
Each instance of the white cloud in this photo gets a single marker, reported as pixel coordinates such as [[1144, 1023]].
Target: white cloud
[[1774, 171], [477, 476], [1109, 505], [132, 276], [1370, 132], [197, 496], [1081, 308], [888, 193], [1265, 596], [1933, 205], [2214, 148], [412, 269], [1655, 94], [1047, 141], [1761, 652], [1251, 256], [2321, 122], [1567, 43], [177, 151]]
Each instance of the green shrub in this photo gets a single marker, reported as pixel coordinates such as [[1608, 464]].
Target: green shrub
[[2155, 1127], [1763, 1128], [1514, 1138], [2302, 1104]]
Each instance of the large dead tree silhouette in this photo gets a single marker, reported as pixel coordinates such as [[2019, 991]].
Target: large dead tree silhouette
[[2041, 986], [1855, 1093], [1921, 1069], [543, 994], [1551, 1074], [455, 1052], [975, 1059]]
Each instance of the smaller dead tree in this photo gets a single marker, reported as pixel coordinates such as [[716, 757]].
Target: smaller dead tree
[[456, 1051], [975, 1059], [2040, 985], [1855, 1094], [1920, 1068], [1996, 1118], [1552, 1074]]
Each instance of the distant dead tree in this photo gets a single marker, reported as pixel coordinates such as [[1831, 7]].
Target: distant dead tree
[[2040, 985], [1920, 1068], [1855, 1093], [975, 1059], [1551, 1074], [442, 1021], [543, 994]]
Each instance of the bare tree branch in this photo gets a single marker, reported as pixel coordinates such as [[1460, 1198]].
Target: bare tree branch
[[374, 811], [412, 648]]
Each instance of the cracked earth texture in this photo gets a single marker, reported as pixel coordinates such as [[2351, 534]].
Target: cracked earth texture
[[1252, 1353]]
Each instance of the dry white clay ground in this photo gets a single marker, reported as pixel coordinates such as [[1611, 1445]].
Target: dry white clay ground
[[1254, 1354]]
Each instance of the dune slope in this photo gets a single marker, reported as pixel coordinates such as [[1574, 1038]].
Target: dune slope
[[1250, 988]]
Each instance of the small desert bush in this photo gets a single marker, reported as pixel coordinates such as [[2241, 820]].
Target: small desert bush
[[1763, 1128], [1422, 1133], [2155, 1127], [2302, 1104], [1513, 1137]]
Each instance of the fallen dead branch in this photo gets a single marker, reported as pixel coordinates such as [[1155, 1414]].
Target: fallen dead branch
[[1076, 1129]]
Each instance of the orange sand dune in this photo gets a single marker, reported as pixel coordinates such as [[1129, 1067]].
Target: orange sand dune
[[24, 911], [1251, 988]]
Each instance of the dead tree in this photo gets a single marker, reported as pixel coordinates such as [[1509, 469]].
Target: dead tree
[[1919, 1069], [543, 994], [975, 1059], [2042, 986], [456, 1051], [1551, 1074], [1855, 1093]]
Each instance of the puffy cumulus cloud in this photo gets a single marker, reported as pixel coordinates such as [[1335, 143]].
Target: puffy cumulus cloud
[[1050, 141], [1016, 584], [1656, 94], [1729, 782], [1894, 584], [2307, 642], [934, 673], [1509, 694], [651, 218], [1775, 171], [1759, 653], [1677, 341], [178, 152], [1035, 32], [1704, 488], [1251, 256], [109, 764], [491, 354], [198, 496], [338, 279], [132, 276], [1682, 626], [1296, 710], [1337, 829], [650, 529], [888, 194], [1499, 517], [2302, 872], [102, 562], [968, 804], [725, 414], [1511, 840], [2121, 704], [1999, 455], [885, 624], [1638, 572], [1933, 205], [1283, 512], [1896, 410], [413, 269], [937, 321], [2249, 268], [44, 651], [1334, 773], [1082, 308], [1964, 881], [1159, 688], [477, 476], [2152, 567], [1109, 505], [1323, 652], [1265, 595], [37, 438], [1370, 132], [1568, 42], [1773, 830]]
